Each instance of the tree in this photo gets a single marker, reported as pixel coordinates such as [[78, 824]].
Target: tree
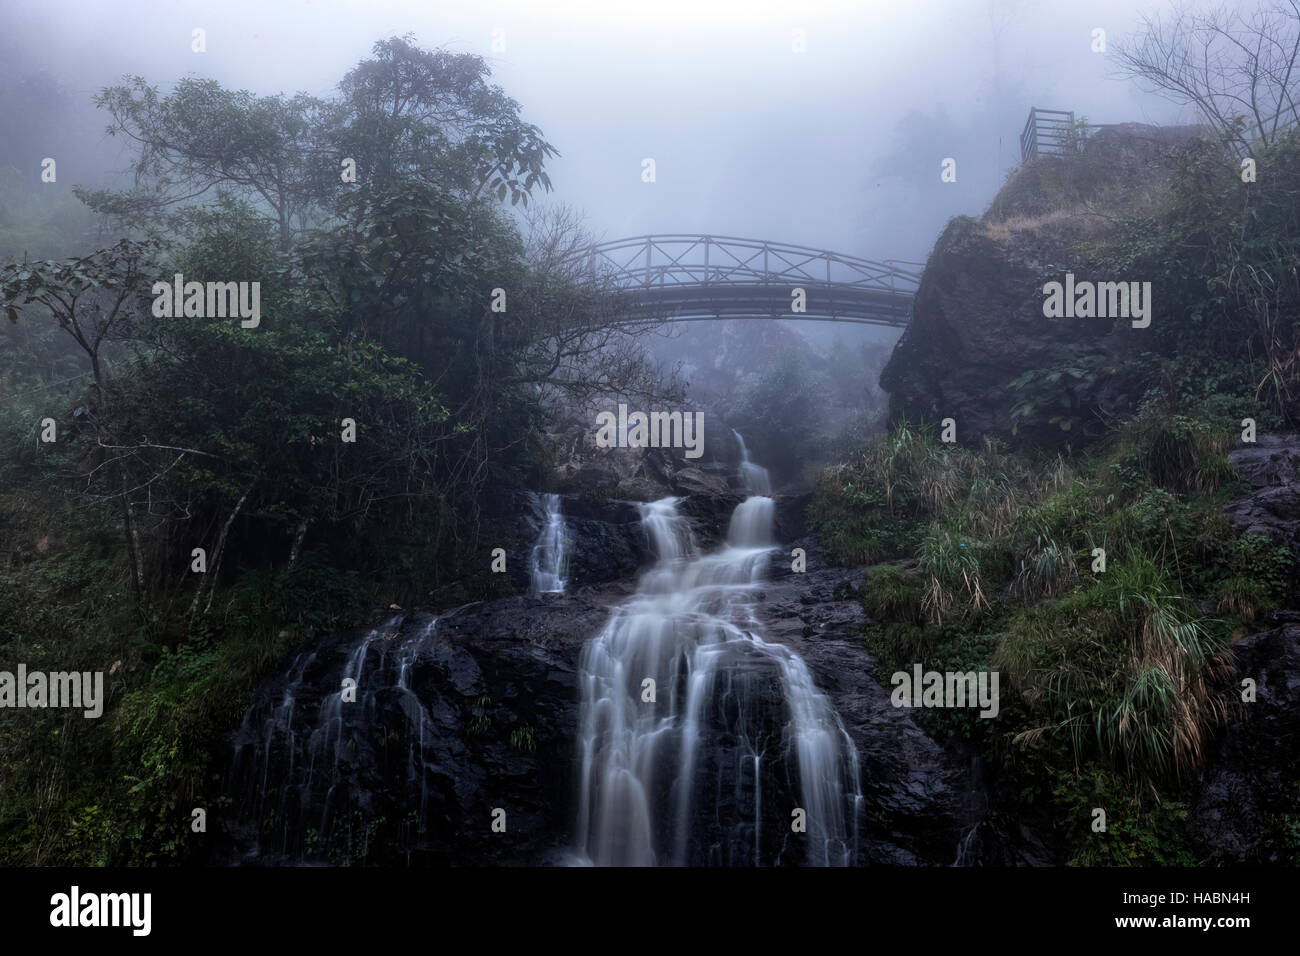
[[432, 115], [94, 299], [1241, 71], [429, 116]]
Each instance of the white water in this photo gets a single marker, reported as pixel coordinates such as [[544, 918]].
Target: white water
[[551, 552], [653, 776], [754, 478], [315, 748]]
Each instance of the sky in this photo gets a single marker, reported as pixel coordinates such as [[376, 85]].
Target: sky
[[750, 136]]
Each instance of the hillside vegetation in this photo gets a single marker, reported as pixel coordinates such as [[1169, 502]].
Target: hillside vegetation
[[985, 554]]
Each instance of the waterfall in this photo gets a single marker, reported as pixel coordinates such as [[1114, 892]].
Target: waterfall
[[977, 803], [698, 741], [551, 553], [753, 478], [966, 848], [313, 739]]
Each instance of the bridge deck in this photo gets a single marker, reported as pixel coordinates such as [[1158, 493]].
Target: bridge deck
[[687, 278]]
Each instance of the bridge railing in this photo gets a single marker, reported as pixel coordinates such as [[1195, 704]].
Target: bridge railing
[[680, 260]]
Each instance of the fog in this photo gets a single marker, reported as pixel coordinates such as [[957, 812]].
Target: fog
[[837, 147]]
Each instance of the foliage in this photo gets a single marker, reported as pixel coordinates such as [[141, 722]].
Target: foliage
[[892, 594], [1058, 392], [193, 432], [1125, 668], [1138, 832], [404, 115]]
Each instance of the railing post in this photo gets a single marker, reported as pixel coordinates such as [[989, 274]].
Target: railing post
[[649, 242], [706, 260]]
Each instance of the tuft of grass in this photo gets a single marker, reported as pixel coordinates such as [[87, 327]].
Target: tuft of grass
[[892, 594], [1125, 669], [950, 570], [1047, 570], [524, 738], [480, 724], [1174, 451], [1244, 597]]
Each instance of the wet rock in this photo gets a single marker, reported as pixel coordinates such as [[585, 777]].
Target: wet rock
[[1247, 808], [409, 776], [1272, 509], [915, 793], [480, 711], [693, 481]]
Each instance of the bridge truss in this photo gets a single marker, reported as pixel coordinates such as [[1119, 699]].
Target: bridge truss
[[687, 278]]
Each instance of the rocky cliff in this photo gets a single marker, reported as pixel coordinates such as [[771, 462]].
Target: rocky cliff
[[978, 324]]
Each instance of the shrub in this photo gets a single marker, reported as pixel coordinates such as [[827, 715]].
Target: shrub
[[950, 569], [892, 594], [1124, 668], [1175, 451]]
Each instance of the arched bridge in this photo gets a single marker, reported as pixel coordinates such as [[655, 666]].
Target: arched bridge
[[685, 278]]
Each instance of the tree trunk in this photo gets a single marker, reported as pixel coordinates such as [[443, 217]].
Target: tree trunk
[[216, 554], [297, 542], [133, 553]]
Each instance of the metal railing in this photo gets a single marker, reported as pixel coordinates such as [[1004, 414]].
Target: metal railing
[[707, 260], [692, 277], [1050, 132]]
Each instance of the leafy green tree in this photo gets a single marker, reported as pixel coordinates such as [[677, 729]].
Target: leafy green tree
[[94, 299], [405, 114]]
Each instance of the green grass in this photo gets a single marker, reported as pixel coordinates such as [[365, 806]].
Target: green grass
[[992, 566]]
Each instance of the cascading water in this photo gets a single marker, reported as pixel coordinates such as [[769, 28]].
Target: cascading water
[[311, 737], [550, 564], [977, 802], [710, 762], [753, 478]]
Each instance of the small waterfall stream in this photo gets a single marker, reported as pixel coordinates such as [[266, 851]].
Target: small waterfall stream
[[314, 740], [699, 742], [550, 559], [977, 807], [754, 478]]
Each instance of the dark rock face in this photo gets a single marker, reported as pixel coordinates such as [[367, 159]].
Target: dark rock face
[[977, 320], [977, 324], [637, 474], [411, 772], [1272, 466], [710, 516], [1248, 806], [477, 710], [916, 795], [748, 709], [608, 543]]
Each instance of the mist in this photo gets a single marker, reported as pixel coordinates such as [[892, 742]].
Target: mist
[[838, 147]]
